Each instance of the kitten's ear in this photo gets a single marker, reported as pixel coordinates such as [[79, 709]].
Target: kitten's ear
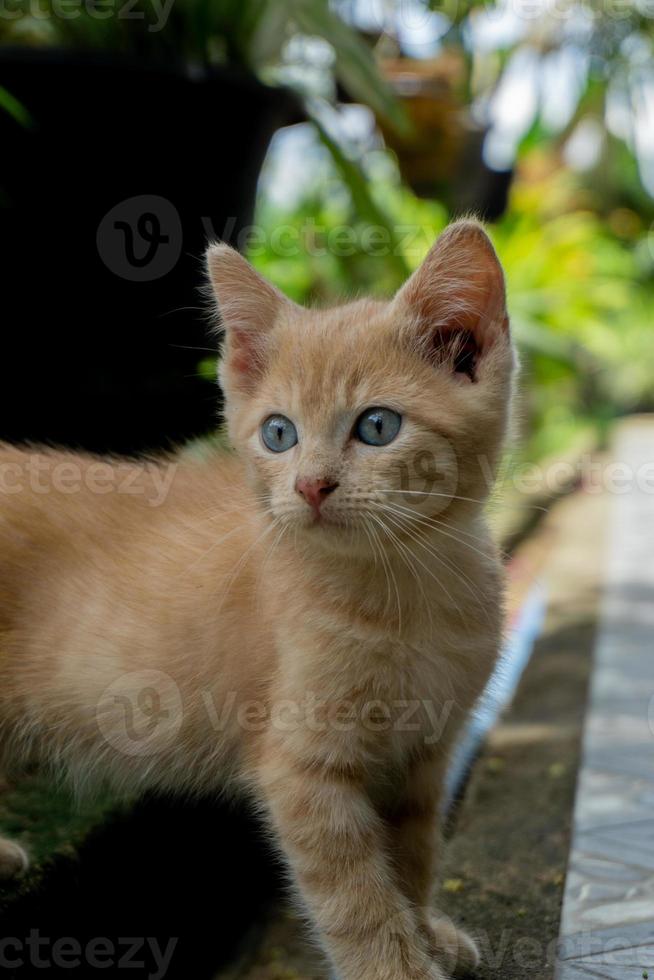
[[248, 306], [456, 300]]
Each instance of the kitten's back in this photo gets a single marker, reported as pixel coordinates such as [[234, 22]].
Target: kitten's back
[[61, 510]]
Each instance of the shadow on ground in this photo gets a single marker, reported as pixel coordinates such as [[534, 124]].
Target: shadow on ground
[[167, 877]]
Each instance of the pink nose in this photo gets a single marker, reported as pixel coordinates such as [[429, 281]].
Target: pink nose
[[314, 492]]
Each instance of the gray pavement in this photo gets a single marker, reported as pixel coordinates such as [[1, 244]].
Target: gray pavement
[[607, 924]]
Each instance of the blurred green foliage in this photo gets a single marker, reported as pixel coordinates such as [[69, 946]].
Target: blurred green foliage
[[581, 294], [576, 246]]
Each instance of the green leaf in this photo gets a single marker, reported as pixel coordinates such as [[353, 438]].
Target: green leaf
[[364, 204], [16, 109], [356, 68], [269, 34]]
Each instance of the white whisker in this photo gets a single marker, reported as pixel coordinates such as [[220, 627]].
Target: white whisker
[[438, 526], [439, 583], [406, 554], [460, 575], [392, 573], [489, 501]]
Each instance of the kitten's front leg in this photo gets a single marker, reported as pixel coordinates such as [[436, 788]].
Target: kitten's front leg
[[335, 843], [415, 846]]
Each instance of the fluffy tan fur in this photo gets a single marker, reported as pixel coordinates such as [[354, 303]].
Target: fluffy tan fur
[[220, 637]]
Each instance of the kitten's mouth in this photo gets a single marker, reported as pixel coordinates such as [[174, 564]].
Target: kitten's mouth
[[325, 521], [328, 518]]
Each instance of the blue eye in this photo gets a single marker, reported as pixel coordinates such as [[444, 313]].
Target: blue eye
[[278, 433], [378, 426]]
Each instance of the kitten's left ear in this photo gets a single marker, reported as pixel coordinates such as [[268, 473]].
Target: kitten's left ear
[[456, 300], [248, 306]]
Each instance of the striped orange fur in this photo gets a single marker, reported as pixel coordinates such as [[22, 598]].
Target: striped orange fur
[[195, 625]]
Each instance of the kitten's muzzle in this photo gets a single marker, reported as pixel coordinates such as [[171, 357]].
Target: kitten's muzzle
[[314, 492]]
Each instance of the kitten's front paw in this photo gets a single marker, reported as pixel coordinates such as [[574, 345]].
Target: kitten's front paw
[[13, 859], [452, 947]]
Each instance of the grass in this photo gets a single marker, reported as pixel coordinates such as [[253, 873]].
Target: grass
[[48, 822]]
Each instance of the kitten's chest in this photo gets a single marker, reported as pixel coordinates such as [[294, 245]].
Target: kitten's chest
[[398, 697], [381, 700]]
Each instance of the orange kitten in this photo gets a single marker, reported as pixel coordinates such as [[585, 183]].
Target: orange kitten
[[307, 621]]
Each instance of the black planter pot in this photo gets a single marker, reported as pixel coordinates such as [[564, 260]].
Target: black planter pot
[[110, 190]]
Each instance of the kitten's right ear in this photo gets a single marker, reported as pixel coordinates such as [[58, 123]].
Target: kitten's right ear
[[248, 306]]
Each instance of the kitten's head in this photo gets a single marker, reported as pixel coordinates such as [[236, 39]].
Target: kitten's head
[[373, 411]]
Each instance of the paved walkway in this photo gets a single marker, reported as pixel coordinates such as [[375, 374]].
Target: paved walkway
[[607, 925]]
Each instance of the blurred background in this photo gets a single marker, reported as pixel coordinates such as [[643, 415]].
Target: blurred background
[[330, 142]]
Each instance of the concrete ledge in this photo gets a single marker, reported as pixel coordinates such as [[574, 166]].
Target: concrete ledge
[[606, 924]]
